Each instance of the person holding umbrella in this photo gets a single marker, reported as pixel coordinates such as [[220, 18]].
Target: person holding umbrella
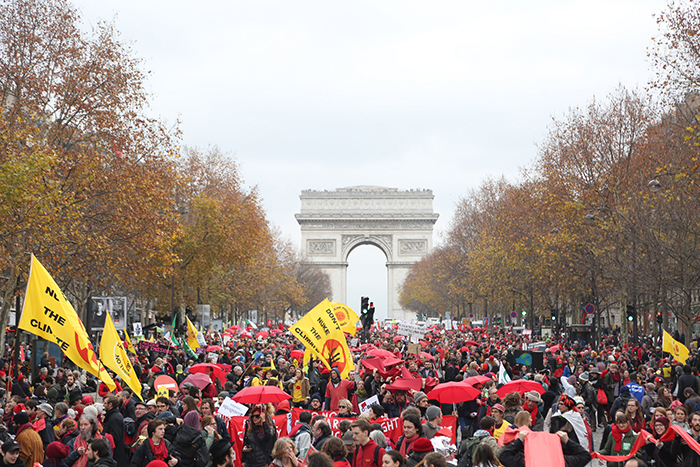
[[259, 439]]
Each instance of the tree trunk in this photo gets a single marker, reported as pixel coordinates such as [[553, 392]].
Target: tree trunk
[[10, 288]]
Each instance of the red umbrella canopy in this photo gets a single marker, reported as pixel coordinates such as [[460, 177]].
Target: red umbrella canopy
[[520, 386], [262, 334], [478, 379], [213, 348], [554, 348], [397, 338], [198, 379], [216, 372], [470, 343], [261, 395], [453, 393]]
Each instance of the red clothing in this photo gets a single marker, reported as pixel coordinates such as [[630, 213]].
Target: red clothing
[[335, 394], [209, 391], [365, 455]]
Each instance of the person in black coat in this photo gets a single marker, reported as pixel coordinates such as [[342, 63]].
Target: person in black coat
[[260, 437], [686, 380], [189, 445], [113, 424], [144, 453]]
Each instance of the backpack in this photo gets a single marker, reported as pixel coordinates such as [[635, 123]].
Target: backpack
[[187, 444], [467, 450]]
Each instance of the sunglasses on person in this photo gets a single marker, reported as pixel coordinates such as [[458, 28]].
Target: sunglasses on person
[[256, 415]]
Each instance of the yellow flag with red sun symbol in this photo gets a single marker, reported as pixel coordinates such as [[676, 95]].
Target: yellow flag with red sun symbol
[[346, 317], [47, 314], [321, 333], [675, 348]]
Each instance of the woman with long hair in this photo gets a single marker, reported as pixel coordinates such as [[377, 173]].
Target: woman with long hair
[[284, 453], [663, 397], [209, 432], [259, 439], [658, 412], [660, 453], [633, 411], [393, 459], [156, 447], [680, 418], [188, 405], [300, 389], [485, 457]]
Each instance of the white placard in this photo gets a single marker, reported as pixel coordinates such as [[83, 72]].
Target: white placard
[[364, 405], [417, 332], [231, 408], [138, 330], [214, 356]]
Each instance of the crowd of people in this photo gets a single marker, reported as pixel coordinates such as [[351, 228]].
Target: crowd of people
[[65, 418]]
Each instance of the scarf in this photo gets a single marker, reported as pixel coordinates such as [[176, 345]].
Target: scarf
[[617, 435], [533, 413], [615, 376], [407, 442], [160, 452], [362, 393], [81, 443]]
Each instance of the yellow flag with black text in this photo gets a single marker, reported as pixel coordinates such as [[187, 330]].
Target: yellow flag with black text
[[346, 317], [48, 314], [114, 357], [675, 348], [320, 331]]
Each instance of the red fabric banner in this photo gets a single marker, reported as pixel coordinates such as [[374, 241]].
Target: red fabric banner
[[642, 438], [543, 448]]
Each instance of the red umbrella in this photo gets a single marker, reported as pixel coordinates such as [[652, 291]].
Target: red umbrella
[[397, 338], [380, 353], [275, 332], [198, 379], [478, 379], [554, 348], [217, 372], [454, 393], [167, 381], [261, 395], [213, 348], [262, 334], [297, 354], [470, 343], [520, 386]]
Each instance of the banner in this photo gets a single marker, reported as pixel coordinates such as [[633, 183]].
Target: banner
[[114, 357], [346, 317], [319, 330], [47, 314], [153, 346], [192, 335], [675, 348]]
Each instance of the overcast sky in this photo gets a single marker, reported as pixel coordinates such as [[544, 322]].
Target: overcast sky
[[405, 94]]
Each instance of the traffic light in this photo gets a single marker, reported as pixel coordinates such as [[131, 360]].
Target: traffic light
[[524, 312], [364, 305], [659, 317], [630, 313]]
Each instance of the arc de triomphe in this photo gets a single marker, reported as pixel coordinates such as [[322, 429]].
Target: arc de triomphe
[[400, 223]]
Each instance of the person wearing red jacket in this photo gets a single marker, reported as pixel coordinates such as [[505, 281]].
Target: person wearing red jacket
[[367, 453]]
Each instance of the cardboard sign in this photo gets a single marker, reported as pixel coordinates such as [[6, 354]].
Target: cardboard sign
[[415, 349], [364, 405]]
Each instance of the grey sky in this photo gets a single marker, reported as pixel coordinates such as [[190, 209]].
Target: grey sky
[[407, 94]]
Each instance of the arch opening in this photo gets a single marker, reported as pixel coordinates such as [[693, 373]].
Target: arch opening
[[367, 276]]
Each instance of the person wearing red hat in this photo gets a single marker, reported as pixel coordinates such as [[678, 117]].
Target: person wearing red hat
[[55, 453]]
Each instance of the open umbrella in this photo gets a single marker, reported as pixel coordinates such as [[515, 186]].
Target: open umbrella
[[217, 372], [198, 379], [453, 392], [470, 343], [520, 386], [478, 379], [213, 348], [397, 338], [262, 334], [261, 395], [554, 348]]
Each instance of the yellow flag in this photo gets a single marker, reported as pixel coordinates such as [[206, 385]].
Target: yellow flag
[[163, 391], [319, 330], [114, 357], [675, 348], [192, 335], [47, 314], [129, 345], [346, 317]]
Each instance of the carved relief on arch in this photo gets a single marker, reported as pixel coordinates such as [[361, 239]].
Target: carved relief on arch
[[384, 242]]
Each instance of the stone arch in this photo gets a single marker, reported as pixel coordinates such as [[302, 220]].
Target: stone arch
[[399, 223]]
